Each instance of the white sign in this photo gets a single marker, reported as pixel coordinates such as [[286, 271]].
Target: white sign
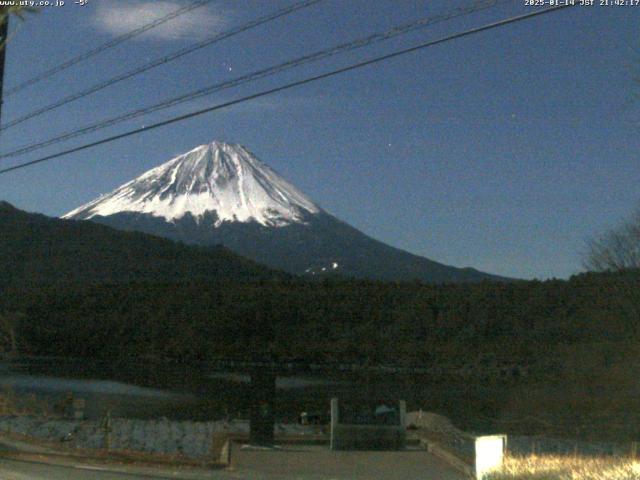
[[489, 454]]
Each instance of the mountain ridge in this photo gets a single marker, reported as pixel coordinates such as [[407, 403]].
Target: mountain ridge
[[221, 193], [37, 250], [220, 177]]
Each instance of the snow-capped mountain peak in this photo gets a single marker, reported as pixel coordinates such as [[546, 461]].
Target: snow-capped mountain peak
[[218, 177]]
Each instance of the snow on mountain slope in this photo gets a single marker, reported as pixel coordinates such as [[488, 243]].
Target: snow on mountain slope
[[218, 177]]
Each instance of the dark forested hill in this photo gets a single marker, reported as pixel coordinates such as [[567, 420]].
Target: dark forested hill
[[523, 357], [38, 250], [559, 354], [321, 246]]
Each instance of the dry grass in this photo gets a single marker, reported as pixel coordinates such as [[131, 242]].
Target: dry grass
[[13, 404], [558, 467]]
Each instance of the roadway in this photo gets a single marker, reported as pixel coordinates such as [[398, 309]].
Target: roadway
[[55, 469], [21, 460], [312, 462], [308, 463]]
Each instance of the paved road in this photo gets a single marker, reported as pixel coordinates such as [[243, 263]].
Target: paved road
[[320, 463], [30, 470], [294, 462], [20, 470]]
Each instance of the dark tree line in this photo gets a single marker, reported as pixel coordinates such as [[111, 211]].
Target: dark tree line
[[335, 320]]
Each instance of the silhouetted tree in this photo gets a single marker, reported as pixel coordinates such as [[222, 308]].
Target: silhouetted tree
[[616, 250]]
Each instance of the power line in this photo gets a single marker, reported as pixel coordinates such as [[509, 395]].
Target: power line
[[105, 46], [290, 85], [160, 61], [313, 57]]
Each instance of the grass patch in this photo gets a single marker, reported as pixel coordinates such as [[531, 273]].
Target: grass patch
[[559, 467], [14, 404]]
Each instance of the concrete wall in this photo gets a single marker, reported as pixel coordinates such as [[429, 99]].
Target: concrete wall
[[185, 438]]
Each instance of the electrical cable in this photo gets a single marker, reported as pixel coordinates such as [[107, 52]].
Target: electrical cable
[[288, 86], [160, 61], [105, 46], [313, 57]]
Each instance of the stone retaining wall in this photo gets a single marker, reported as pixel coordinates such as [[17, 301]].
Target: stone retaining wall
[[190, 439]]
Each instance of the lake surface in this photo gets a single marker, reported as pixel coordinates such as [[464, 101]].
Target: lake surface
[[153, 390], [143, 390]]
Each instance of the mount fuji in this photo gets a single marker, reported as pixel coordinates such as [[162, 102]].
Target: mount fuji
[[221, 193]]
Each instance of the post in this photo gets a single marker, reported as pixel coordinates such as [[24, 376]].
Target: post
[[403, 413], [262, 418], [334, 422], [4, 31], [67, 406], [634, 450], [78, 408], [107, 431]]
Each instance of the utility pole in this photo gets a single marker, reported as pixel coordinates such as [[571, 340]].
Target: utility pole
[[4, 31]]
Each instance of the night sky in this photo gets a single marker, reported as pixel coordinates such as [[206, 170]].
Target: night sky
[[503, 151]]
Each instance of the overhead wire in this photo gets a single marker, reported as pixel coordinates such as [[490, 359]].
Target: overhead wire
[[105, 46], [160, 61], [294, 84], [259, 74]]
